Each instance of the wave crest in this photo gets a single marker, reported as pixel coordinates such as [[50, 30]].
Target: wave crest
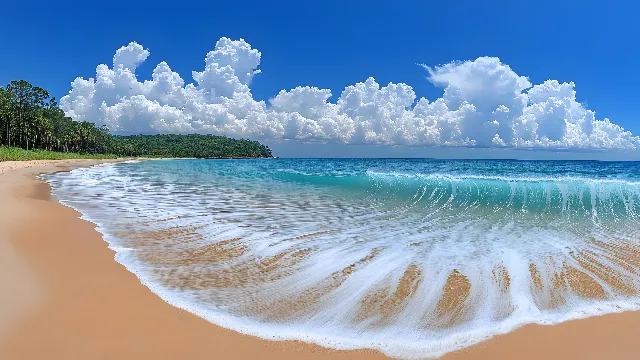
[[348, 256]]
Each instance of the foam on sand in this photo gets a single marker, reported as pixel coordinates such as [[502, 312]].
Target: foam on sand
[[354, 256]]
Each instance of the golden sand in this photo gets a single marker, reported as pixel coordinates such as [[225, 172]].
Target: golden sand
[[64, 296]]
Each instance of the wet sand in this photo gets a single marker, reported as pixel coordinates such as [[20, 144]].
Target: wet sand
[[64, 297]]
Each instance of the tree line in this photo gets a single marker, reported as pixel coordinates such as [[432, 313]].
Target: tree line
[[31, 119], [187, 146]]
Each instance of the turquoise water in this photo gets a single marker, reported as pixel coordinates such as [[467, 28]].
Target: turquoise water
[[413, 257]]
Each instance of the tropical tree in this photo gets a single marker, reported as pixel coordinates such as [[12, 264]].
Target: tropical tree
[[30, 119]]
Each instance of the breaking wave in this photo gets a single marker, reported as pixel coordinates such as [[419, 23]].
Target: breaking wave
[[412, 257]]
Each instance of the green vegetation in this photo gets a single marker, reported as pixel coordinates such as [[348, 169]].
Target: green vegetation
[[18, 154], [186, 146], [31, 120]]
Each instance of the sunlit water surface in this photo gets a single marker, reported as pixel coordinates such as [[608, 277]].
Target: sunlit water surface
[[412, 257]]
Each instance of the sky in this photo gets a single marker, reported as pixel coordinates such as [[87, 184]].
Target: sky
[[478, 56]]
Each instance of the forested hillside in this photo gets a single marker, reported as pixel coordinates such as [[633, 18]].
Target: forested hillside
[[31, 119], [199, 146]]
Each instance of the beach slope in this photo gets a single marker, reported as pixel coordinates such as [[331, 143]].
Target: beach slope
[[64, 297]]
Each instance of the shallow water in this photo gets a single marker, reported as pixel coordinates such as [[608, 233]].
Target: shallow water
[[412, 257]]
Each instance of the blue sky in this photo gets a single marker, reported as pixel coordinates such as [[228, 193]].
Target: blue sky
[[333, 44]]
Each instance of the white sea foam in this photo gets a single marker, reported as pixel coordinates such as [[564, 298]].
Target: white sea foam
[[460, 178], [429, 230]]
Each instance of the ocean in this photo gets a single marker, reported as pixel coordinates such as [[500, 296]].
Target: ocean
[[413, 257]]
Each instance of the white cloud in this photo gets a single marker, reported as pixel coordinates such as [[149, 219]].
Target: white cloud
[[485, 103], [130, 56]]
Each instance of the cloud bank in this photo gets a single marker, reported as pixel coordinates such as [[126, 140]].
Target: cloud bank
[[484, 104]]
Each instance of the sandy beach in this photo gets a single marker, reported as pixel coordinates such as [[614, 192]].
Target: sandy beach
[[64, 297]]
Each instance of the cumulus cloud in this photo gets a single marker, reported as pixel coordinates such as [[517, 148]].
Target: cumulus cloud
[[484, 104]]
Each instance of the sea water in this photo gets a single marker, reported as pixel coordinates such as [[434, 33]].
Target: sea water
[[415, 258]]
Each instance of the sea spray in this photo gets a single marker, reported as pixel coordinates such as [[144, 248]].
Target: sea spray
[[413, 257]]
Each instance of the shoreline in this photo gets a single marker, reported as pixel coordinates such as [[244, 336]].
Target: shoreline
[[82, 304], [72, 300]]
